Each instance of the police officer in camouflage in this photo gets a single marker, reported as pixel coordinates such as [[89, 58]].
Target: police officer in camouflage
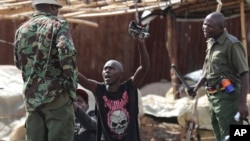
[[45, 53], [225, 76]]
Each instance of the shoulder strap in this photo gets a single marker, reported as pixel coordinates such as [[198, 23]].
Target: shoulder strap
[[46, 66]]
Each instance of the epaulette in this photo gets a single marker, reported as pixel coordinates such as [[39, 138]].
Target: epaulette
[[233, 39], [61, 20]]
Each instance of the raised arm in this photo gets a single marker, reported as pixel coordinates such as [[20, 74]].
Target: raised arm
[[142, 70], [87, 83], [86, 121]]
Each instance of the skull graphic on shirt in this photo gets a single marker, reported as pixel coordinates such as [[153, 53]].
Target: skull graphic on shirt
[[119, 121]]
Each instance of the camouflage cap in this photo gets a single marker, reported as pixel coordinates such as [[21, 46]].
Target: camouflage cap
[[53, 2]]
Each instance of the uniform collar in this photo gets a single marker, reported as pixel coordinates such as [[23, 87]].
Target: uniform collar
[[38, 13], [220, 39]]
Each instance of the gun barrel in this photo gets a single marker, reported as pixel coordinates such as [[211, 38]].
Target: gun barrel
[[180, 76]]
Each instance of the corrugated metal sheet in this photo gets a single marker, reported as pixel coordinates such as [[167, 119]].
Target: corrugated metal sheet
[[111, 41], [191, 44], [7, 29]]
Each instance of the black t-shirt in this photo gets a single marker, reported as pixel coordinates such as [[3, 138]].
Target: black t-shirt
[[118, 113]]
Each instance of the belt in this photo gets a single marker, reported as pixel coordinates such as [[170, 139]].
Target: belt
[[214, 90]]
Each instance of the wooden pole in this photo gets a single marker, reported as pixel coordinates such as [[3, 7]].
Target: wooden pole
[[172, 55], [80, 21], [243, 26], [219, 6]]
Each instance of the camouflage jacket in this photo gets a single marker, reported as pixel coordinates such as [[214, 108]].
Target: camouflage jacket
[[45, 53]]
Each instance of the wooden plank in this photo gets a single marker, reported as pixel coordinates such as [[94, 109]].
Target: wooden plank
[[243, 27], [120, 12], [7, 1], [219, 6], [14, 5], [73, 14], [15, 11], [80, 21], [79, 9]]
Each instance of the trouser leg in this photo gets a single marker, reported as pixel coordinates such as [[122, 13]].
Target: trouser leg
[[215, 125], [35, 127], [61, 123], [51, 125], [223, 107]]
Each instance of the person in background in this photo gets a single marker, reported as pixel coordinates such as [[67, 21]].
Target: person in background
[[45, 53], [225, 75], [116, 102], [85, 123]]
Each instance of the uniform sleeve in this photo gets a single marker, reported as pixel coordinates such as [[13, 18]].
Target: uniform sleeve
[[67, 54], [238, 58], [16, 59]]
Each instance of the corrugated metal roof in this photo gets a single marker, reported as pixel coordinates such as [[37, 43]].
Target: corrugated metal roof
[[79, 9]]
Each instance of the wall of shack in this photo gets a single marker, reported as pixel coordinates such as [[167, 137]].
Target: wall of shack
[[111, 41]]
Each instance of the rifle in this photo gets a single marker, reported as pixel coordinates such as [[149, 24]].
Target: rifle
[[189, 89], [190, 92]]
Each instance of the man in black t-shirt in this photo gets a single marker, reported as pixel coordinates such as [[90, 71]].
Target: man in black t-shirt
[[116, 102]]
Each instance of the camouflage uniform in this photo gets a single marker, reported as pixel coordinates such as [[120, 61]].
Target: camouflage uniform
[[224, 57], [45, 53]]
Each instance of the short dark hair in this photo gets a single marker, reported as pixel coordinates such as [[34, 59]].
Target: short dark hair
[[219, 17]]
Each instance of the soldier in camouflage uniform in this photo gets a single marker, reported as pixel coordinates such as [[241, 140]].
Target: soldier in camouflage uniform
[[45, 53]]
